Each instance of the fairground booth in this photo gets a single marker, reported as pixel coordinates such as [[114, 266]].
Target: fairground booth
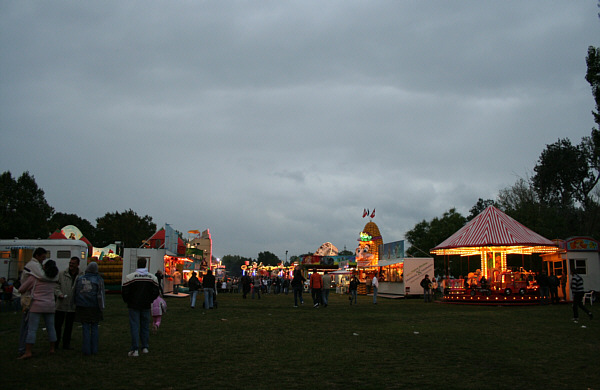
[[166, 252], [490, 238], [579, 254], [399, 276]]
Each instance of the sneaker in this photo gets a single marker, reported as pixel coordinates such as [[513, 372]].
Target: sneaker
[[145, 350], [316, 305], [576, 320], [133, 353], [295, 305]]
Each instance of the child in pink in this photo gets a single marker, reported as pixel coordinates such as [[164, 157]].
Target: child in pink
[[159, 307]]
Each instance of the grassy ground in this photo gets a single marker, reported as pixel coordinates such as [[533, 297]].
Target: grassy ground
[[268, 344]]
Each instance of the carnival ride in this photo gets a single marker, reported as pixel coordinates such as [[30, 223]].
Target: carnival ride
[[493, 235]]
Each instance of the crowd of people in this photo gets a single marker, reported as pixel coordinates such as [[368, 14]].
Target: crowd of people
[[69, 296], [59, 298]]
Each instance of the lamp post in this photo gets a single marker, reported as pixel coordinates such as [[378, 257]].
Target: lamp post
[[286, 252]]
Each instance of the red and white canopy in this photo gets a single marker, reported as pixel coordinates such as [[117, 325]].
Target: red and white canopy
[[493, 228]]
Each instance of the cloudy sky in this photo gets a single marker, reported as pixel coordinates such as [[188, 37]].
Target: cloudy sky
[[275, 123]]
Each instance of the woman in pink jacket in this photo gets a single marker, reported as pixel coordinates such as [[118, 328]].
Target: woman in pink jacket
[[42, 305]]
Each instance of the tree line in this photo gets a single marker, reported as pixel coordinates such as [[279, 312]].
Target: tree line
[[25, 213]]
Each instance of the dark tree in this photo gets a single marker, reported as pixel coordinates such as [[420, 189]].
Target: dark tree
[[593, 77], [24, 212], [561, 174], [127, 227], [426, 235], [268, 258]]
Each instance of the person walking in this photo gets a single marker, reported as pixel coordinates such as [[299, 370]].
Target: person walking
[[208, 283], [256, 285], [577, 293], [89, 305], [42, 305], [426, 284], [316, 285], [375, 285], [297, 286], [326, 287], [159, 307], [246, 284], [159, 278], [353, 288], [32, 268], [553, 283], [139, 290], [193, 285], [65, 305]]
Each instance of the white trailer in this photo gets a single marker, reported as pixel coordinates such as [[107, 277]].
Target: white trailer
[[155, 260], [14, 254], [402, 276]]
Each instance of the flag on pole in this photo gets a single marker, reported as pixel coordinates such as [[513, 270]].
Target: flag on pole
[[365, 213], [373, 214]]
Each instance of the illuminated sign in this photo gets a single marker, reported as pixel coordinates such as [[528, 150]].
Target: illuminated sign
[[365, 237]]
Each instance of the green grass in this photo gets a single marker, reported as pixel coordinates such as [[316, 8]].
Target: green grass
[[268, 344]]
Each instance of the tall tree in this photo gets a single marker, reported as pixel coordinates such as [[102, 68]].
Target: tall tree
[[562, 174], [127, 227], [24, 212], [593, 77], [426, 235], [268, 258]]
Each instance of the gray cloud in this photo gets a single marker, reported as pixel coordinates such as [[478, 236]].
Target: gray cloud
[[275, 123]]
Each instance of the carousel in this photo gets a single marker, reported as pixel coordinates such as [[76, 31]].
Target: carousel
[[492, 236]]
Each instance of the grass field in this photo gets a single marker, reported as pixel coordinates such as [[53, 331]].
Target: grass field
[[268, 344]]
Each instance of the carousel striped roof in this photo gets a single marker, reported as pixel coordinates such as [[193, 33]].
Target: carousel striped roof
[[493, 228]]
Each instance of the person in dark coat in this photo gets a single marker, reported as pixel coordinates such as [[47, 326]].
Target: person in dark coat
[[208, 283], [298, 285], [193, 285], [89, 304]]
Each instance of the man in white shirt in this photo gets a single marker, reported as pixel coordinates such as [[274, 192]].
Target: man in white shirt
[[375, 285]]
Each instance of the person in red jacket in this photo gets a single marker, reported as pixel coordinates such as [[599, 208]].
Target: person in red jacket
[[316, 284]]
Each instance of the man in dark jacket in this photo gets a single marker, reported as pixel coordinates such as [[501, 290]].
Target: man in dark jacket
[[193, 285], [426, 284], [139, 290], [208, 283]]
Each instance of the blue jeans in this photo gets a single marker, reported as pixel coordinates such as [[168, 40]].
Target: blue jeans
[[90, 338], [427, 294], [209, 295], [325, 296], [139, 325], [374, 294], [193, 296], [298, 295], [34, 322], [353, 296]]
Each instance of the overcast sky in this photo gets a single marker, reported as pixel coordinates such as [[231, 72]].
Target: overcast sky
[[275, 123]]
